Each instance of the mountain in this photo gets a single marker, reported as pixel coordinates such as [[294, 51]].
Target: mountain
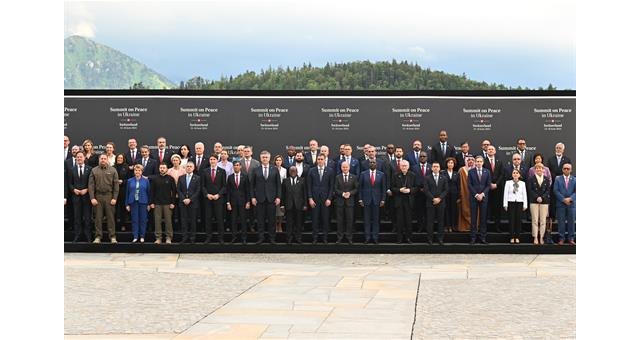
[[356, 75], [90, 65]]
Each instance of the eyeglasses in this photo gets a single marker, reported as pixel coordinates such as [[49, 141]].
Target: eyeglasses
[[566, 168]]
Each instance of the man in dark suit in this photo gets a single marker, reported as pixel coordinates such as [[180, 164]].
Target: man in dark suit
[[67, 149], [354, 164], [413, 156], [462, 155], [555, 165], [71, 162], [311, 156], [390, 156], [320, 185], [436, 188], [198, 158], [421, 170], [496, 168], [78, 179], [442, 150], [248, 163], [150, 165], [294, 198], [265, 196], [162, 154], [133, 155], [404, 189], [290, 158], [371, 189], [345, 191], [516, 163], [189, 189], [214, 183], [525, 155], [328, 162], [479, 186], [564, 190], [238, 201], [301, 166]]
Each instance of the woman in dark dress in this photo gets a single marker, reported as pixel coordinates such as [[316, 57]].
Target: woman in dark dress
[[123, 175], [451, 208]]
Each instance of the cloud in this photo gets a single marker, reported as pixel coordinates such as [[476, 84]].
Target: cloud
[[417, 50], [79, 20]]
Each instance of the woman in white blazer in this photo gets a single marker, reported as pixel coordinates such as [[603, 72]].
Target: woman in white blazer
[[515, 202]]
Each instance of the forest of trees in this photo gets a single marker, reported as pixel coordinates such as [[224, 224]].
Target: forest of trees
[[359, 75]]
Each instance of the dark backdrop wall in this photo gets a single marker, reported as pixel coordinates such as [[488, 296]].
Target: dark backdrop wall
[[272, 123]]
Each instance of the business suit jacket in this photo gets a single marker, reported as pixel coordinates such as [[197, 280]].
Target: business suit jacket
[[309, 159], [508, 171], [69, 154], [479, 185], [536, 190], [438, 156], [137, 160], [561, 192], [382, 165], [240, 195], [287, 164], [410, 156], [252, 165], [305, 170], [294, 197], [166, 159], [398, 181], [351, 185], [209, 187], [436, 190], [152, 167], [497, 175], [354, 166], [144, 191], [77, 182], [372, 194], [417, 170], [454, 183], [527, 158], [320, 190], [192, 192], [69, 164], [204, 163], [554, 168], [265, 190]]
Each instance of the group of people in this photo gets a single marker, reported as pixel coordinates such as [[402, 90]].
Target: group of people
[[458, 190]]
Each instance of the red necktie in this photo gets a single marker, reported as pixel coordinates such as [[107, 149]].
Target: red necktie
[[373, 178], [398, 166], [161, 155], [424, 170], [213, 175], [491, 161]]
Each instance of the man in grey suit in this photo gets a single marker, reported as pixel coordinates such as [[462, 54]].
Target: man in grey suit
[[346, 189], [266, 190]]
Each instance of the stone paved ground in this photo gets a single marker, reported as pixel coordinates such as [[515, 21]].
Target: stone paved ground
[[319, 296]]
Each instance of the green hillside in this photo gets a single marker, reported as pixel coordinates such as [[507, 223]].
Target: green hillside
[[89, 65], [358, 75]]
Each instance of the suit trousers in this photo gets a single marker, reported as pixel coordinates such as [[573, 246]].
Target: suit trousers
[[371, 222], [419, 211], [214, 209], [539, 213], [320, 215], [82, 216], [451, 212], [188, 219], [432, 212], [344, 220], [475, 206], [138, 219], [295, 218], [158, 213], [566, 215], [514, 211], [403, 220], [238, 215], [266, 211], [104, 208]]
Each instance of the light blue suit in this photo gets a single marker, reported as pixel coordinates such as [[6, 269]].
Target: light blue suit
[[566, 214]]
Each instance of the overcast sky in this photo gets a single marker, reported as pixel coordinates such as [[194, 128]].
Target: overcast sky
[[528, 43]]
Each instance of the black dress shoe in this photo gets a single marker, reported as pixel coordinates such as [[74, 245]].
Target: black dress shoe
[[398, 241], [483, 241], [183, 241], [260, 241], [409, 241], [75, 239], [350, 242], [325, 241], [366, 241], [244, 242], [339, 240], [375, 242], [272, 241], [430, 242], [233, 240], [472, 242], [207, 240], [193, 241], [440, 242], [314, 242], [220, 242]]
